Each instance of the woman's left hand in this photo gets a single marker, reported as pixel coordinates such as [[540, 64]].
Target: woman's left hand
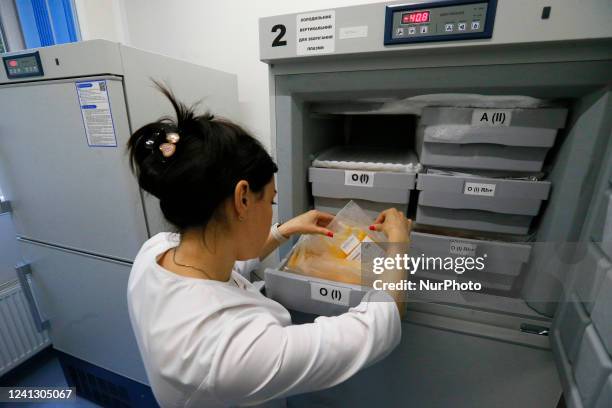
[[311, 222]]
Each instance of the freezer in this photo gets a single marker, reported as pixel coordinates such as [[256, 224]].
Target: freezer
[[78, 212], [562, 122]]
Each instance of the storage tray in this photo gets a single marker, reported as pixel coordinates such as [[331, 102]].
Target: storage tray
[[479, 203], [302, 293], [453, 138], [504, 261], [374, 191]]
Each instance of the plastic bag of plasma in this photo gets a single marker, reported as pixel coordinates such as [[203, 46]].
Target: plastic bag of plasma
[[337, 258]]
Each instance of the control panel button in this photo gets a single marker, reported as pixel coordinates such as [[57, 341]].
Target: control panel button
[[424, 29], [475, 25], [449, 27], [411, 30], [461, 26], [400, 31]]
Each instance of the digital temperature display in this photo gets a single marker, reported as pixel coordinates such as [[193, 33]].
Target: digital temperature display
[[23, 65], [416, 17]]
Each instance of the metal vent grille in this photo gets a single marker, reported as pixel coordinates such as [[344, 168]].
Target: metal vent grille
[[97, 389]]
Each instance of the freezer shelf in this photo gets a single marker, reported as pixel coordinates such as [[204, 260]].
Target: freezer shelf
[[479, 203], [503, 265], [460, 138]]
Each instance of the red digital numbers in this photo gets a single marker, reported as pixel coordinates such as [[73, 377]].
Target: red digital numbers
[[417, 17]]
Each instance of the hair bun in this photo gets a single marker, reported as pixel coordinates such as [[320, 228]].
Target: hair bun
[[194, 170]]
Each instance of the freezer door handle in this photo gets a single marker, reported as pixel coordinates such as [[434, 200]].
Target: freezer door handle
[[24, 273], [533, 329], [5, 207]]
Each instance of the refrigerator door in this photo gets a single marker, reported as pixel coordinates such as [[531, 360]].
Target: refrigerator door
[[84, 298], [68, 189]]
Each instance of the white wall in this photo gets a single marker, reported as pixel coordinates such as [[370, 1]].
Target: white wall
[[221, 34], [102, 19]]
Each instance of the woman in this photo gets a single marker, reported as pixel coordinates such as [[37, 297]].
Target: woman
[[208, 338]]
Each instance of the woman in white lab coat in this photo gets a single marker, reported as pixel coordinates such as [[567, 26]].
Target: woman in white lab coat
[[207, 336]]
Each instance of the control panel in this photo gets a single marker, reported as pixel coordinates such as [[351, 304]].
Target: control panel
[[23, 65], [439, 21]]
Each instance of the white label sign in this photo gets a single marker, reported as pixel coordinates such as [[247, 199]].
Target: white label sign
[[330, 294], [359, 178], [462, 248], [316, 33], [480, 189], [345, 33], [96, 113], [349, 244], [491, 117]]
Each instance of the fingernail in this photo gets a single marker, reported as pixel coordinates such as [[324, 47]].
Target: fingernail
[[372, 228], [330, 234]]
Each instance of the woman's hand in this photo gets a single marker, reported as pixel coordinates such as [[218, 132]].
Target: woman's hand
[[311, 222], [394, 225]]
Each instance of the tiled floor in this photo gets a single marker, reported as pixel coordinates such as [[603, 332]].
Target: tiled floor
[[42, 370]]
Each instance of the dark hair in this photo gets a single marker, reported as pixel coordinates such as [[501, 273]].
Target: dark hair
[[211, 157]]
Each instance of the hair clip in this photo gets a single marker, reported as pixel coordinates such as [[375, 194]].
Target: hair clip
[[167, 149], [152, 141]]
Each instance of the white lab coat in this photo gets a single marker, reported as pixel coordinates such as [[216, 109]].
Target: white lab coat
[[207, 343]]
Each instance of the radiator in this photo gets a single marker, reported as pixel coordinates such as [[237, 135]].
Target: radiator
[[19, 338]]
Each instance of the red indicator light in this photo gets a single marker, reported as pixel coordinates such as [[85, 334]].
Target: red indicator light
[[416, 17], [13, 63]]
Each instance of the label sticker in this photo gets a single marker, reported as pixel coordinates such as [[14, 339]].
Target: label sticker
[[359, 178], [462, 248], [491, 117], [345, 33], [316, 33], [349, 244], [330, 294], [96, 113], [355, 254], [480, 189], [368, 243]]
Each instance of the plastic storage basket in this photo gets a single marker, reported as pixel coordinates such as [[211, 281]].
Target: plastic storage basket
[[491, 139]]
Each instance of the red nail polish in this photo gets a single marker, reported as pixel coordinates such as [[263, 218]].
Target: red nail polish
[[372, 228], [330, 234]]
